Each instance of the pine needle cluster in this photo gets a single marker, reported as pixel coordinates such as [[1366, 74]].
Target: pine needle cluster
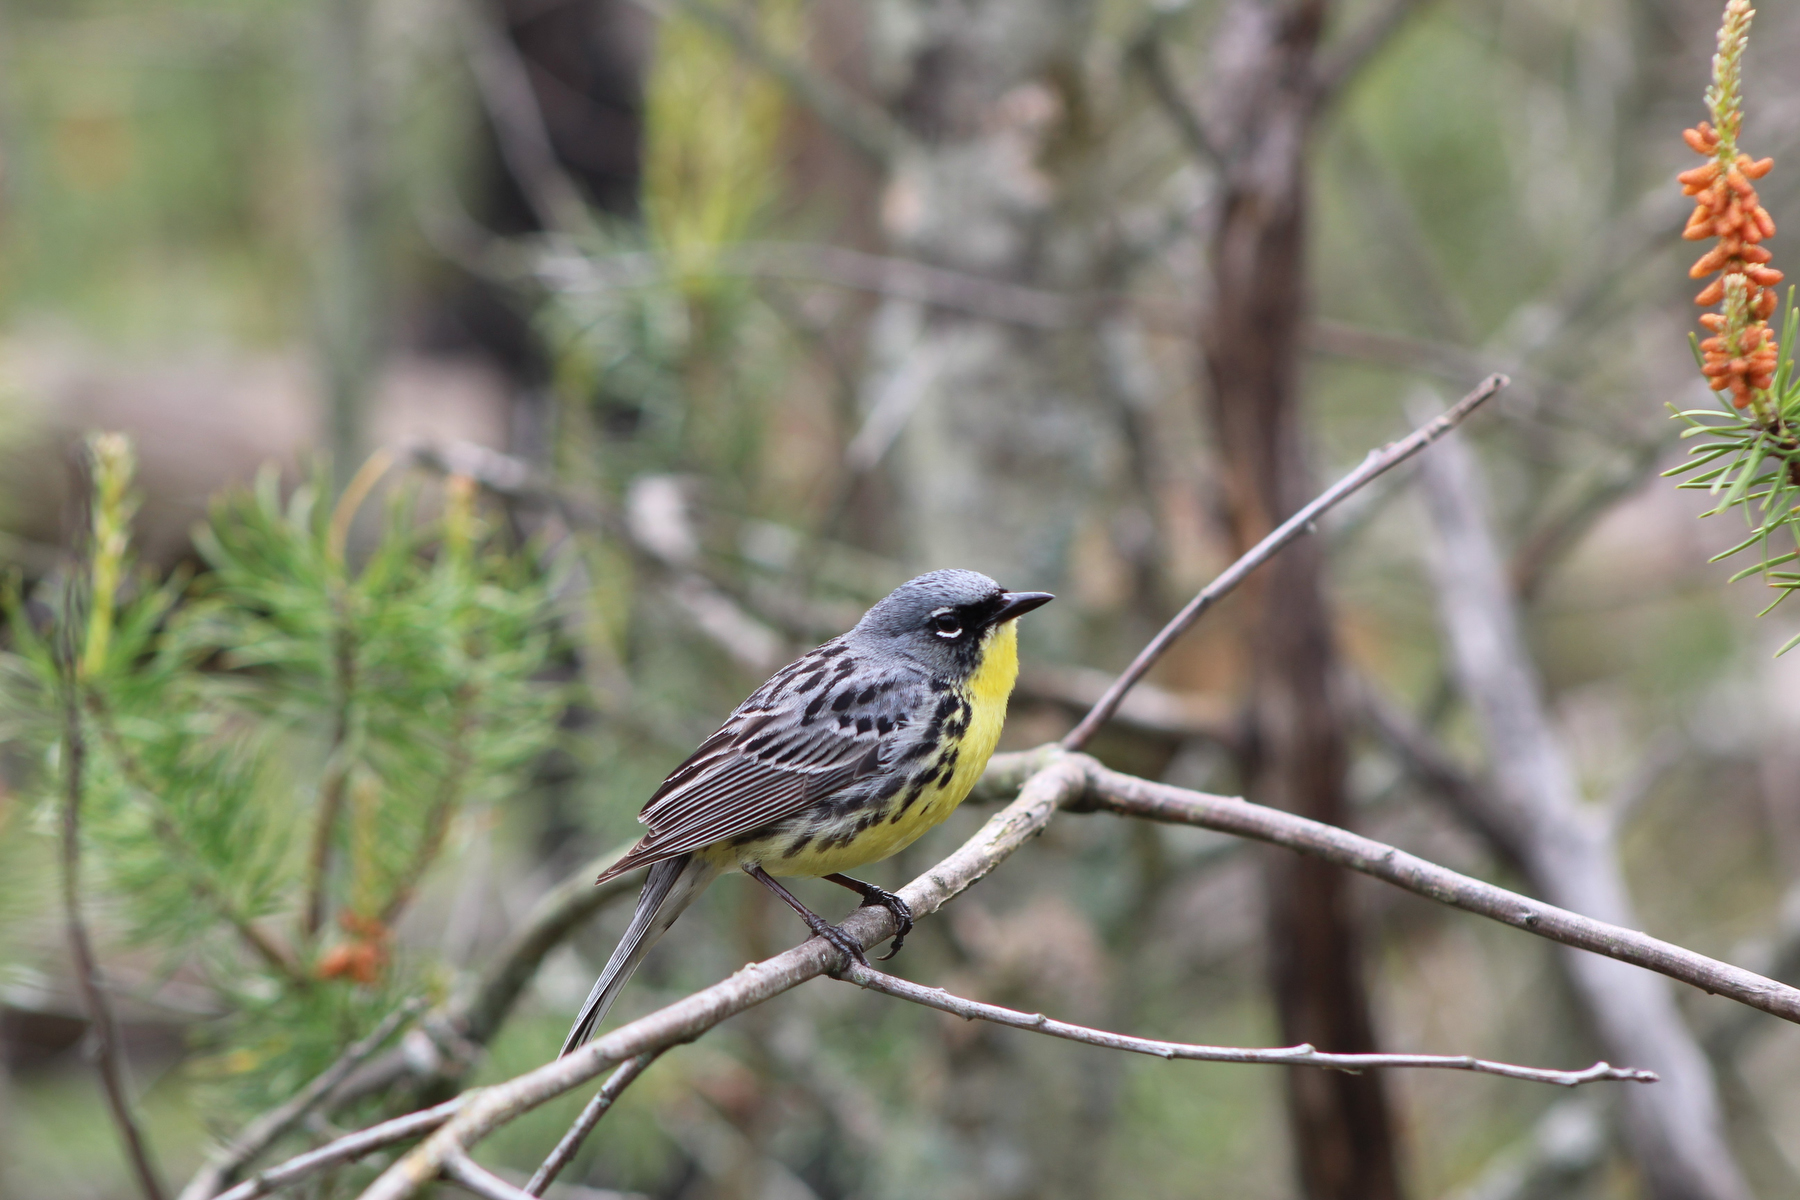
[[1748, 454], [279, 747]]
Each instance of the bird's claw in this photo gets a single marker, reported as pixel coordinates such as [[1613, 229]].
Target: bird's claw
[[882, 898], [843, 943]]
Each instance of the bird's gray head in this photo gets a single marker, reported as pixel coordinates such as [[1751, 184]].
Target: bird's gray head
[[943, 618]]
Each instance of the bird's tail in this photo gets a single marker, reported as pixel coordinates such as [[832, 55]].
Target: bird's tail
[[670, 887]]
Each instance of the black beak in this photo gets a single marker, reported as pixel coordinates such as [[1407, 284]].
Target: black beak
[[1017, 604]]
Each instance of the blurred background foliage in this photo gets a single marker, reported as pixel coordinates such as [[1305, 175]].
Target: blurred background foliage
[[643, 446]]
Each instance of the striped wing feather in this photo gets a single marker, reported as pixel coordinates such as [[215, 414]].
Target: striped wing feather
[[804, 736]]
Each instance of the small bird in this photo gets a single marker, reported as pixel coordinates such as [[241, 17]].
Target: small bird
[[844, 757]]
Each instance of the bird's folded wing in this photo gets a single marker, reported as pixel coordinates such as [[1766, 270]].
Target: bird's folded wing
[[777, 754]]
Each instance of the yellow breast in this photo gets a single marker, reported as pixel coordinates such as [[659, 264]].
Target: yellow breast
[[986, 691]]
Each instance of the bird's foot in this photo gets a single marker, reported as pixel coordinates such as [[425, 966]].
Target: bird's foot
[[903, 916], [840, 941], [875, 897]]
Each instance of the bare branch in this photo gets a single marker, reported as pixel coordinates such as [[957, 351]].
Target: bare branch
[[566, 1149], [346, 1149], [471, 1176], [1290, 1056], [1147, 707], [865, 126], [264, 1131], [1133, 797], [1340, 65], [1375, 465], [991, 299], [977, 295], [504, 81], [102, 1031], [685, 1020], [1146, 53], [472, 1018]]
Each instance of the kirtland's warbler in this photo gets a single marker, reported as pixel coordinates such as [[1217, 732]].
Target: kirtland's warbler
[[843, 757]]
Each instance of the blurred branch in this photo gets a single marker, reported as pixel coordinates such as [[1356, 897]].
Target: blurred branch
[[1146, 707], [1293, 1056], [655, 526], [443, 805], [1146, 54], [1377, 463], [442, 1051], [1421, 756], [1566, 849], [504, 82], [865, 126], [1566, 1146], [471, 1176], [1339, 66], [570, 1145], [345, 1149], [223, 1164], [980, 296], [102, 1030], [1532, 561]]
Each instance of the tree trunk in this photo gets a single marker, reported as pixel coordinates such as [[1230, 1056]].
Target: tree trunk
[[1250, 340]]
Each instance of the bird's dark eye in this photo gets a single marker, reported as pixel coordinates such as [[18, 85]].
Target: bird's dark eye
[[947, 626]]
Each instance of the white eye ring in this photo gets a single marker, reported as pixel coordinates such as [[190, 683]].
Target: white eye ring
[[948, 632]]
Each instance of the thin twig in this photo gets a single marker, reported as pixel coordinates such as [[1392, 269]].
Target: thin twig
[[348, 1148], [471, 1176], [1377, 463], [1292, 1056], [566, 1149], [1146, 53], [101, 1028], [1340, 65], [472, 1018], [1132, 797], [990, 299], [504, 82], [266, 1130]]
